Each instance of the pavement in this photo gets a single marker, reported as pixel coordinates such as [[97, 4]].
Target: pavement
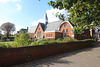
[[85, 57]]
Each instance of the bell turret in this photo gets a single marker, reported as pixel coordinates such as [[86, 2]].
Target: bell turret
[[46, 19]]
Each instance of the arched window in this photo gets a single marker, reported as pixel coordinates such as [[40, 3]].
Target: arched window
[[39, 28], [63, 33], [65, 26], [67, 31], [37, 34]]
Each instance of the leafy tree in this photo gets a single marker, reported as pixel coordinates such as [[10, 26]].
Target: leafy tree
[[82, 12], [78, 30], [8, 28], [22, 39]]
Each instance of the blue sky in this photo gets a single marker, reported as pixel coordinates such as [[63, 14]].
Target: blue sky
[[25, 13]]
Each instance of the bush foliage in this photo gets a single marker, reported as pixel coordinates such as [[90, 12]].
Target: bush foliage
[[22, 40]]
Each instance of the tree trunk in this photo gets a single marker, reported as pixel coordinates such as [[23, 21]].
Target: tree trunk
[[7, 34]]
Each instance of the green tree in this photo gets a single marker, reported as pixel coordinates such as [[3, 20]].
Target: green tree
[[22, 39], [82, 12], [78, 30]]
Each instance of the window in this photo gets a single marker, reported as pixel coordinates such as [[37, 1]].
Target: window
[[65, 25], [67, 32], [37, 34], [63, 33], [39, 28], [40, 33], [51, 35], [47, 35], [72, 31]]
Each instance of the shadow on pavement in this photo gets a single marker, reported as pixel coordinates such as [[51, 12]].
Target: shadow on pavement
[[51, 60]]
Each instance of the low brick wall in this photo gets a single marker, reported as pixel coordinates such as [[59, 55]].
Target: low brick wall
[[10, 56]]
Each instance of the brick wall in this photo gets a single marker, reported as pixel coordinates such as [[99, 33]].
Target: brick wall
[[58, 35], [31, 35], [10, 56], [38, 30], [85, 35], [49, 35], [53, 35], [69, 28]]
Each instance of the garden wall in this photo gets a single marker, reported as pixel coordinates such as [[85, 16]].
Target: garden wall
[[10, 56]]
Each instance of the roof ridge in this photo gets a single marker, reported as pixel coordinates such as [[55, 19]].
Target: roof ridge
[[53, 22]]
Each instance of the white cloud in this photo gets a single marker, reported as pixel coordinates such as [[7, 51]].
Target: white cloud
[[19, 7], [35, 23], [18, 27], [52, 12], [51, 16]]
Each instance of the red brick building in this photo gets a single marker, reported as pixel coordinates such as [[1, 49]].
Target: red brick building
[[52, 30]]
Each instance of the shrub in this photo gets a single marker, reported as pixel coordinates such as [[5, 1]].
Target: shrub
[[35, 39], [67, 39], [53, 41], [22, 40], [3, 46], [34, 43], [40, 40], [44, 42], [74, 40], [59, 39], [7, 45]]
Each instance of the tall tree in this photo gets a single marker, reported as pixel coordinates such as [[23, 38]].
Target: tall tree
[[8, 28], [82, 12]]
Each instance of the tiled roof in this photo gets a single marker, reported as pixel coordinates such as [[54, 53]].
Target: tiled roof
[[72, 24], [32, 29], [53, 26], [23, 29], [42, 25]]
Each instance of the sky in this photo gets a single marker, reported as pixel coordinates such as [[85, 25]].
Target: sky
[[26, 13]]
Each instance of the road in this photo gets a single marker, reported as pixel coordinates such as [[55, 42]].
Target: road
[[86, 57]]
